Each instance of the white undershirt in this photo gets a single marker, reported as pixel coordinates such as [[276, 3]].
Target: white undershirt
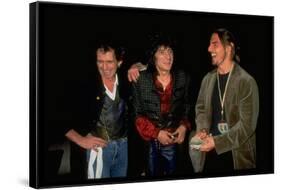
[[112, 94]]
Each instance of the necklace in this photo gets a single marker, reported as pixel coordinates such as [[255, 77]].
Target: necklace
[[222, 97]]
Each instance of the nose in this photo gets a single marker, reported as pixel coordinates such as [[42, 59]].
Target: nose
[[210, 48], [104, 66], [168, 55]]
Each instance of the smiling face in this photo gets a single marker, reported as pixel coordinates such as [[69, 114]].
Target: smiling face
[[218, 51], [107, 64], [163, 58]]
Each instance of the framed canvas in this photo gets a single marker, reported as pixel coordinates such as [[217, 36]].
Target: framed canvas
[[63, 50]]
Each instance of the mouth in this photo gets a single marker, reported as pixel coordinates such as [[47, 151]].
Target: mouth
[[169, 62], [213, 55], [106, 72]]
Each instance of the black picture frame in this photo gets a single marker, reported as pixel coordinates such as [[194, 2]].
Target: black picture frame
[[62, 38]]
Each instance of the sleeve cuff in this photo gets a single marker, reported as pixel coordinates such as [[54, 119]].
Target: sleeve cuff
[[146, 128]]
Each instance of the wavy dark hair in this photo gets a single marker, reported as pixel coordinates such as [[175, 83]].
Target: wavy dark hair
[[157, 41], [227, 38]]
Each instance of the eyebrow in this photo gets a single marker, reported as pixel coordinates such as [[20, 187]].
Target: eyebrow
[[105, 60], [165, 48], [214, 42]]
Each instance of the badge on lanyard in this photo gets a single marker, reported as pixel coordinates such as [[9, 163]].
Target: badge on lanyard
[[222, 125]]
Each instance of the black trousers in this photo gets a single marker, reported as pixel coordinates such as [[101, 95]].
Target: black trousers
[[218, 164]]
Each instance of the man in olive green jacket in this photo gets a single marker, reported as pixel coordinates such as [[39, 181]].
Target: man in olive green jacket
[[226, 111]]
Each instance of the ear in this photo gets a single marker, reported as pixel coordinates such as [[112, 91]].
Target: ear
[[119, 63], [229, 48], [232, 46]]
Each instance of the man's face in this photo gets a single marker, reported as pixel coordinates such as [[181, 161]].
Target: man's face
[[107, 64], [217, 50], [164, 58]]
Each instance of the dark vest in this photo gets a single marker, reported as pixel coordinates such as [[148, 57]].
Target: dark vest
[[110, 125]]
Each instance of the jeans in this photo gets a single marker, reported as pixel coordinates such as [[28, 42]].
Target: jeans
[[162, 158], [115, 158]]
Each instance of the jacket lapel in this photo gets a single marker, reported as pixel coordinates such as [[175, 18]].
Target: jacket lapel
[[210, 93], [232, 88]]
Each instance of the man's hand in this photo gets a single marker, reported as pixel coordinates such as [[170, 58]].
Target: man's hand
[[179, 134], [164, 137], [208, 144], [87, 142], [91, 142], [134, 71], [202, 134]]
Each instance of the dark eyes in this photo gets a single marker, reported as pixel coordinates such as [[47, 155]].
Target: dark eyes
[[107, 62], [165, 51]]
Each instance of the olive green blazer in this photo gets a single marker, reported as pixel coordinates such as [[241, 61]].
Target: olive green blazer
[[241, 112]]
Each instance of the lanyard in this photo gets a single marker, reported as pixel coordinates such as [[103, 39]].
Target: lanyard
[[225, 89]]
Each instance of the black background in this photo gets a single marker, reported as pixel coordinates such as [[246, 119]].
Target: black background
[[67, 36]]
